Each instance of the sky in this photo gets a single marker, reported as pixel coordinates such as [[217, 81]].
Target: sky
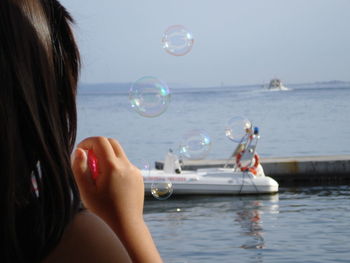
[[237, 42]]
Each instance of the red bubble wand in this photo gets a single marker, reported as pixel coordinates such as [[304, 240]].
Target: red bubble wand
[[93, 164]]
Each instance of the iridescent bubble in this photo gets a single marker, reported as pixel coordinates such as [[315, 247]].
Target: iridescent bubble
[[145, 167], [149, 96], [195, 144], [162, 190], [177, 40], [237, 127]]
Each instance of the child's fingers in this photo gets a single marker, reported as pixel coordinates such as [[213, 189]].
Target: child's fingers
[[81, 171], [118, 149], [103, 151]]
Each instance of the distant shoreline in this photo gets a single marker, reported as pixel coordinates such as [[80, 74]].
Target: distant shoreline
[[123, 87]]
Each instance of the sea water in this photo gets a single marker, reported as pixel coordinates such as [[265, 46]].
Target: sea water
[[306, 120], [297, 225]]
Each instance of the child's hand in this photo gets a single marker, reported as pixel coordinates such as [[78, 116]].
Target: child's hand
[[116, 194]]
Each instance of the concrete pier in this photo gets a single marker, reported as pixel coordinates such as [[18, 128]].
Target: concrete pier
[[290, 171]]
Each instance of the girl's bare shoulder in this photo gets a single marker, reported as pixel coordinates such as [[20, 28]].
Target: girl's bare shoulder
[[88, 239]]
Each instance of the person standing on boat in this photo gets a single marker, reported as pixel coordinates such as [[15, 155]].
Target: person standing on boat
[[171, 163]]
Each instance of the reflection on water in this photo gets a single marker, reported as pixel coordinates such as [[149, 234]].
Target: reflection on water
[[208, 227], [309, 224], [249, 217]]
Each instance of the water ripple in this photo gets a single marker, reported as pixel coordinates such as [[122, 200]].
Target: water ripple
[[303, 225]]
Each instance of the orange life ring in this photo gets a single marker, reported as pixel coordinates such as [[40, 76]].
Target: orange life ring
[[247, 168]]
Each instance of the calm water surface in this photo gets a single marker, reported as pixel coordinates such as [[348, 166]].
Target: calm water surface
[[297, 225], [299, 122]]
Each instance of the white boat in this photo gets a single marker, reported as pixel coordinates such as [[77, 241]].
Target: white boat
[[246, 177], [276, 84], [213, 181]]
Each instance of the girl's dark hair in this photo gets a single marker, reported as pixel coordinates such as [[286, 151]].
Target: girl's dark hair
[[39, 67]]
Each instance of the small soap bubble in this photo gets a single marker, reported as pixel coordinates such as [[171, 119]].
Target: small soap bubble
[[195, 144], [149, 96], [177, 40], [237, 127], [145, 167], [162, 190]]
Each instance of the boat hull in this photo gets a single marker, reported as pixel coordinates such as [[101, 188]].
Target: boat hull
[[212, 182]]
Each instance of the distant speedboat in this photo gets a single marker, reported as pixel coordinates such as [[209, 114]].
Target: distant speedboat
[[276, 84]]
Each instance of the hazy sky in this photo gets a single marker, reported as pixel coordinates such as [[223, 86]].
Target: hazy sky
[[236, 42]]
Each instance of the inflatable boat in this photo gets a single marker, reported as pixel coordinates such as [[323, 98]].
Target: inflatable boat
[[213, 181], [246, 177]]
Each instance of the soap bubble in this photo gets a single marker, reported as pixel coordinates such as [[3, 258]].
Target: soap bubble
[[177, 40], [195, 144], [145, 167], [237, 127], [149, 96], [162, 190]]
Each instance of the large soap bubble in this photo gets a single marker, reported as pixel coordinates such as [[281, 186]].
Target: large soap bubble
[[162, 190], [177, 40], [237, 127], [195, 144], [149, 96]]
